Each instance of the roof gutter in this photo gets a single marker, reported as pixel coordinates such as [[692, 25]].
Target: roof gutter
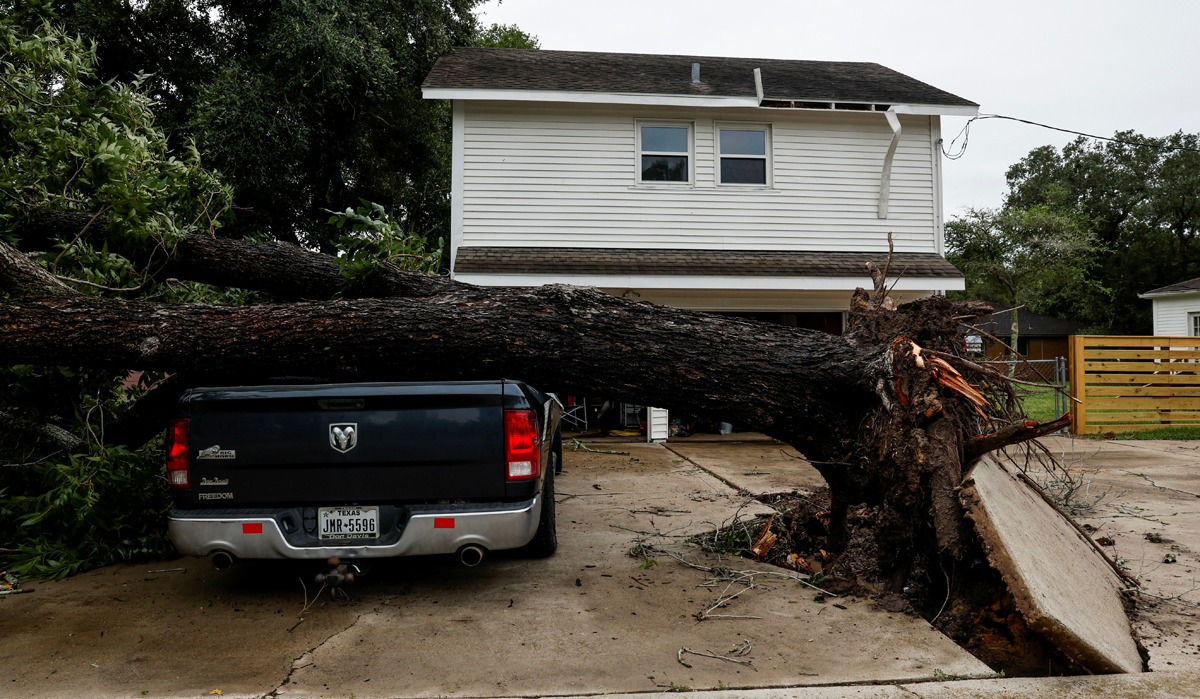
[[707, 281], [1161, 294], [442, 93], [589, 97]]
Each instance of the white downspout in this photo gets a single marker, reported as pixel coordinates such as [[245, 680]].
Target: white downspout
[[885, 181], [758, 85]]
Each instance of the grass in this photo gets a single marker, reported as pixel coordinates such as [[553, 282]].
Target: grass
[[1038, 403], [1170, 432]]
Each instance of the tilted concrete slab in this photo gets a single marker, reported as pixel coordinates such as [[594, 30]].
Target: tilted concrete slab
[[1061, 584], [760, 468]]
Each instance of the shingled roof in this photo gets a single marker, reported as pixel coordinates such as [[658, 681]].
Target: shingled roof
[[580, 71], [737, 263], [1177, 288], [1029, 324]]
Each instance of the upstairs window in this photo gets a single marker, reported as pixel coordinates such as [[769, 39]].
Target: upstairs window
[[665, 153], [744, 155]]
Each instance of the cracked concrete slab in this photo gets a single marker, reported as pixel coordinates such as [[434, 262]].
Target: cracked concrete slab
[[591, 619], [760, 468]]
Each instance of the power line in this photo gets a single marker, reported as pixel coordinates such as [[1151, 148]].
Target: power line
[[965, 135]]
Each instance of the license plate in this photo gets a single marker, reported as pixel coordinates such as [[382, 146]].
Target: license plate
[[348, 523]]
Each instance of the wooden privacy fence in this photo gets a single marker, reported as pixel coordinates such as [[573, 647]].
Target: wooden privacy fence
[[1123, 384]]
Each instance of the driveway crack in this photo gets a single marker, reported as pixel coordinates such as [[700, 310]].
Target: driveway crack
[[296, 662], [1150, 480], [736, 488]]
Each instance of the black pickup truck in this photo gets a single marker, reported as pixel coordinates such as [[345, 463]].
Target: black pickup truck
[[364, 470]]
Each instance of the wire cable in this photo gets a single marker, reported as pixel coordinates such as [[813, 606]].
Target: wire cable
[[965, 135]]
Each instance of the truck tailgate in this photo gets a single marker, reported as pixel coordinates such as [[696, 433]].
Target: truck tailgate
[[347, 443]]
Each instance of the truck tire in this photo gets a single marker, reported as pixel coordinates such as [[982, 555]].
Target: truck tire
[[545, 540]]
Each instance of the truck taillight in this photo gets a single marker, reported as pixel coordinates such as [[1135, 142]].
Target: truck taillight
[[178, 473], [521, 449]]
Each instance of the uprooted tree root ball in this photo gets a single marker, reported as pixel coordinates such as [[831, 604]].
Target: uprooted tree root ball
[[977, 611]]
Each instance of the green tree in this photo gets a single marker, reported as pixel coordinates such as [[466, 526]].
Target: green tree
[[1141, 202], [1034, 258], [173, 45], [303, 105], [506, 36], [320, 106]]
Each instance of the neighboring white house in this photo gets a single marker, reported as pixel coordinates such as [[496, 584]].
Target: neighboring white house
[[1176, 308], [719, 184]]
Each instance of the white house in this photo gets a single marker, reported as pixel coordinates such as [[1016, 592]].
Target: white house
[[718, 184], [1176, 308]]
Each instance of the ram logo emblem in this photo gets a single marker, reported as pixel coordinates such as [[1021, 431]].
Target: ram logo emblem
[[343, 436]]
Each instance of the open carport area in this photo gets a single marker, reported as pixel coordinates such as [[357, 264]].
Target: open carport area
[[592, 619]]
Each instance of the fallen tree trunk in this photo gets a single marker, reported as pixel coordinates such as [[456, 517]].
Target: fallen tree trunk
[[798, 385]]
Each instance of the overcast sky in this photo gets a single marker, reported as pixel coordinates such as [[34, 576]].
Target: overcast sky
[[1097, 66]]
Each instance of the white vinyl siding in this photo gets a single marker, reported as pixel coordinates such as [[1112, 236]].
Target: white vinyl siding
[[1172, 314], [564, 175]]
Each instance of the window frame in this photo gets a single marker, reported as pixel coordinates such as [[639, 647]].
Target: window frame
[[768, 155], [1193, 324], [638, 153]]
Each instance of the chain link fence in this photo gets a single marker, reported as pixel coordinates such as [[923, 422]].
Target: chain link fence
[[1051, 372]]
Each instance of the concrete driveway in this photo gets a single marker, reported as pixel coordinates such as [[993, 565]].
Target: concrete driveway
[[589, 620], [1142, 500]]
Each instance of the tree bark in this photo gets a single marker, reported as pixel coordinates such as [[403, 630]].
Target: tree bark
[[286, 272], [20, 277], [60, 437]]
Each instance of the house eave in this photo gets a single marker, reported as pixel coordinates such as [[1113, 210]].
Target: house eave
[[502, 95], [589, 97], [696, 281], [1162, 294]]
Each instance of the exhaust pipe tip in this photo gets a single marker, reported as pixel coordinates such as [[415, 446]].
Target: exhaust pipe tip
[[223, 560], [470, 555]]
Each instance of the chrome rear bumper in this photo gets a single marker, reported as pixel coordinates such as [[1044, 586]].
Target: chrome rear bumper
[[258, 534]]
